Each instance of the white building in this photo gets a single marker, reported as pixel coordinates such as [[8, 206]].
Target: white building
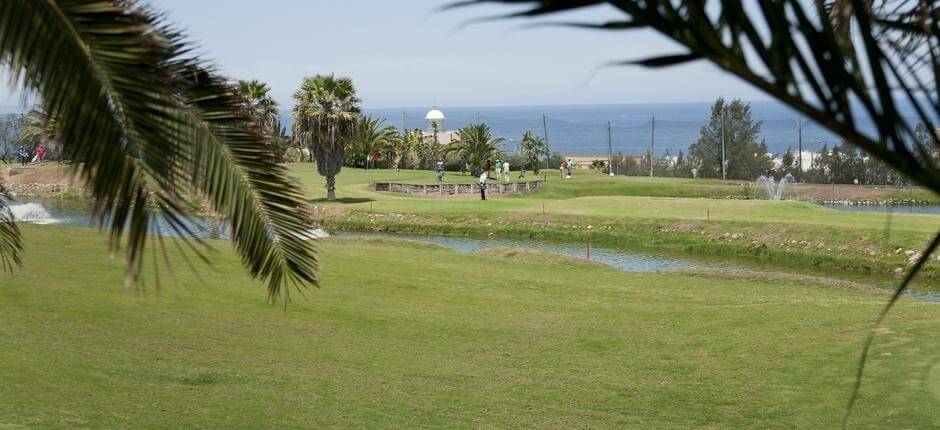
[[435, 128]]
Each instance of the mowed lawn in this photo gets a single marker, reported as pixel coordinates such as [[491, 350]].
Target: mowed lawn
[[405, 335], [590, 194]]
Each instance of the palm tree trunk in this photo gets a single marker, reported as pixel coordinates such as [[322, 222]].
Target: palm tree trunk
[[330, 188]]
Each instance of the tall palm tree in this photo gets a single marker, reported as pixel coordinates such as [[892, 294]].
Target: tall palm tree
[[154, 126], [325, 117], [476, 144], [533, 149], [371, 138]]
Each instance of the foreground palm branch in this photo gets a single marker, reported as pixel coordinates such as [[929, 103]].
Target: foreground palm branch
[[154, 127], [11, 243], [835, 61]]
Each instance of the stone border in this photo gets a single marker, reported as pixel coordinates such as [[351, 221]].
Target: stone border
[[451, 189]]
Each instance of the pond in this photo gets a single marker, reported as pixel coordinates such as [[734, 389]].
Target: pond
[[623, 260], [71, 212]]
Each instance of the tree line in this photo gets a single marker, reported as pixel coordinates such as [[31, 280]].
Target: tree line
[[729, 147]]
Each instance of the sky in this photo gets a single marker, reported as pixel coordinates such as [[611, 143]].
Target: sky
[[408, 53]]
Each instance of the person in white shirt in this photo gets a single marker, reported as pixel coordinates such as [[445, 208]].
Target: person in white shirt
[[482, 185], [506, 171]]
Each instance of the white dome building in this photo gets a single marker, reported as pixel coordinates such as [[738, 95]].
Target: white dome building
[[435, 120], [435, 129]]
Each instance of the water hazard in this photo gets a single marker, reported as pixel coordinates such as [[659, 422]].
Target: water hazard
[[623, 260]]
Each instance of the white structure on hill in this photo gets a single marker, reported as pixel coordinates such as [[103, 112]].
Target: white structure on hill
[[435, 128], [435, 120]]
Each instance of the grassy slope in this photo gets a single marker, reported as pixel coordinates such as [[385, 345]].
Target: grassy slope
[[796, 232], [428, 337]]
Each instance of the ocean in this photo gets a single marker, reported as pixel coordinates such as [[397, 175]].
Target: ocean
[[582, 129]]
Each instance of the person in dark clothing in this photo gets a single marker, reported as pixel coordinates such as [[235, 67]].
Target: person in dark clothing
[[24, 156]]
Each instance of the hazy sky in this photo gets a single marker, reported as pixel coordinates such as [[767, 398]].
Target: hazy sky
[[406, 53]]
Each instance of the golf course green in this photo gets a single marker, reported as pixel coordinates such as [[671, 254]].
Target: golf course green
[[410, 335], [677, 215], [406, 334]]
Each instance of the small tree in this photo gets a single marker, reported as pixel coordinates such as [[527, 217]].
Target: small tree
[[533, 149], [744, 158]]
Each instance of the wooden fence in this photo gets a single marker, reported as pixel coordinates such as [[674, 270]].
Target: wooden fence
[[449, 189]]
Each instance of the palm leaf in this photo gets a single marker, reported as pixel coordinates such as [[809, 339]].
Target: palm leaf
[[10, 242], [832, 62], [152, 125]]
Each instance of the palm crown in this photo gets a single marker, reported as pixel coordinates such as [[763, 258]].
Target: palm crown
[[533, 148], [476, 144], [259, 104], [371, 137]]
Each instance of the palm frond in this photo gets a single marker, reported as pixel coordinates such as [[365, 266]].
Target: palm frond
[[11, 244], [834, 61], [809, 60], [153, 125]]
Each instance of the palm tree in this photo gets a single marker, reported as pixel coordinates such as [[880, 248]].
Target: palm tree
[[259, 104], [153, 126], [371, 138], [278, 140], [39, 127], [475, 144], [533, 149], [325, 117]]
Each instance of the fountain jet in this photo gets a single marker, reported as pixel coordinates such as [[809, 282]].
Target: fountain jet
[[774, 190]]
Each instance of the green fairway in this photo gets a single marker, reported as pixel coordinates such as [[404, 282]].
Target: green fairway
[[602, 196], [406, 335], [624, 211]]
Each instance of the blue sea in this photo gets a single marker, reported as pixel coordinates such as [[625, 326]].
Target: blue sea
[[582, 129]]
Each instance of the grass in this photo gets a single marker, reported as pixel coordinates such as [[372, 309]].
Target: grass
[[622, 212], [598, 195], [409, 335]]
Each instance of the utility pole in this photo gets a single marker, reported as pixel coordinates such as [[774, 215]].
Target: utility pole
[[403, 126], [799, 123], [610, 152], [545, 129], [723, 177], [652, 139]]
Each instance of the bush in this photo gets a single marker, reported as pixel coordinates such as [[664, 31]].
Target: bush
[[293, 155], [553, 161]]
